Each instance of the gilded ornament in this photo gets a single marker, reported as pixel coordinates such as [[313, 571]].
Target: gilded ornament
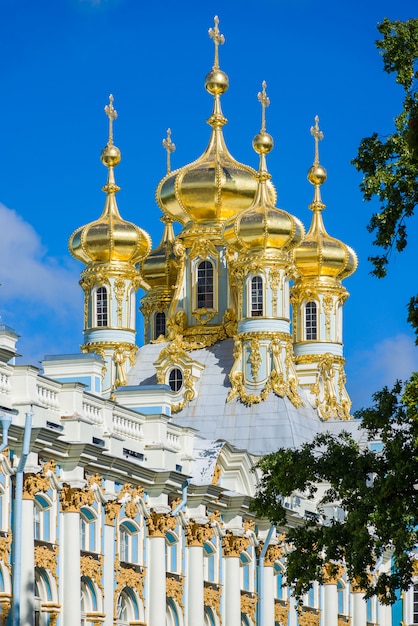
[[159, 523], [46, 558], [33, 483], [73, 498], [212, 598], [217, 472], [255, 358], [197, 534], [204, 315], [233, 545], [5, 550], [204, 249], [248, 604], [346, 620], [112, 510], [6, 605], [281, 612], [174, 589], [274, 553], [308, 617], [92, 568], [129, 495], [327, 305], [128, 576], [331, 573]]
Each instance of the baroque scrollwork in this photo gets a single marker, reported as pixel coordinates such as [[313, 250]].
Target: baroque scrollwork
[[92, 568], [174, 589], [197, 534], [159, 523], [73, 498]]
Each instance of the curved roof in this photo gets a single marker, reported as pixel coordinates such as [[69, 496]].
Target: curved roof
[[260, 428]]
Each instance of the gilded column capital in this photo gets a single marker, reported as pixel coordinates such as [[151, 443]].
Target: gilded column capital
[[197, 534], [331, 573], [273, 554], [159, 523], [112, 510], [232, 545], [73, 498], [359, 586], [33, 483]]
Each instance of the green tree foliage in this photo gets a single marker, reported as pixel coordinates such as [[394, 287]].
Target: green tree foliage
[[375, 488], [390, 165]]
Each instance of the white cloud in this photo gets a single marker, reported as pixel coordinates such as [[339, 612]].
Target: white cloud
[[28, 275], [382, 364]]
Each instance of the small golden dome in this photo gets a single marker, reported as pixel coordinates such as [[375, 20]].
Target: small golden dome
[[110, 238], [215, 187], [160, 268], [263, 228], [321, 256]]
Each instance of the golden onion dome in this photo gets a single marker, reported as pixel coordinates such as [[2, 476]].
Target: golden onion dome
[[215, 187], [262, 227], [160, 268], [110, 238], [321, 256]]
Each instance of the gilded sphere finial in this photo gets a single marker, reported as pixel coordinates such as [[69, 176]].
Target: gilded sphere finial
[[263, 143], [110, 156], [216, 82], [317, 174]]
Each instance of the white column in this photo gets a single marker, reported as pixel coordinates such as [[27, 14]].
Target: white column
[[27, 581], [157, 524], [232, 547], [330, 609], [71, 499], [358, 609], [111, 512], [196, 535], [268, 600]]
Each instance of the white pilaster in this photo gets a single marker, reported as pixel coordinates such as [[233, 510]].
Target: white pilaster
[[71, 587], [268, 599], [156, 582], [27, 581], [108, 570], [195, 601], [359, 609], [330, 609]]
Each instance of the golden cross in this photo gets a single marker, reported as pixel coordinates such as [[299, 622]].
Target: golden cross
[[170, 147], [265, 102], [112, 115], [318, 136], [218, 40]]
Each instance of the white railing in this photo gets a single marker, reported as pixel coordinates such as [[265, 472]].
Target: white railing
[[4, 383], [47, 397], [127, 427], [173, 441], [93, 413]]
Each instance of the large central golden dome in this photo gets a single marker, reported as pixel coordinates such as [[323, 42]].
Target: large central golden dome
[[215, 187]]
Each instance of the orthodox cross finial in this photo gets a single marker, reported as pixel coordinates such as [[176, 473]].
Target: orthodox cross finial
[[318, 135], [218, 40], [112, 115], [170, 147], [265, 102]]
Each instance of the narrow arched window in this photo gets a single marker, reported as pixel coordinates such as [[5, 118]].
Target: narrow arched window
[[311, 321], [101, 307], [256, 296], [204, 285], [159, 325]]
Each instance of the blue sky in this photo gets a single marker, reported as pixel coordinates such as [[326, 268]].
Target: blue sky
[[62, 58]]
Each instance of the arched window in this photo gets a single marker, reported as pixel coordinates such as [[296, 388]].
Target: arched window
[[159, 325], [172, 552], [101, 307], [128, 541], [42, 517], [311, 321], [256, 296], [204, 291], [126, 607], [247, 581], [175, 379], [211, 560], [88, 540]]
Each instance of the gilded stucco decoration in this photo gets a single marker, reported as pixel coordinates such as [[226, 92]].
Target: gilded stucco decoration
[[174, 589], [233, 545], [331, 573], [281, 612], [204, 249], [197, 534], [73, 498], [92, 568], [128, 496], [33, 483], [331, 397], [248, 604], [212, 599], [159, 523], [273, 553], [6, 605], [307, 617], [345, 620], [128, 576], [112, 510], [46, 557], [5, 551]]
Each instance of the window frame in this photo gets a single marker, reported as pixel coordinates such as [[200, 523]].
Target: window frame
[[256, 296], [101, 307], [310, 320], [205, 291]]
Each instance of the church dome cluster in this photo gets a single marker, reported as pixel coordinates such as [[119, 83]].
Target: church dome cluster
[[231, 270]]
